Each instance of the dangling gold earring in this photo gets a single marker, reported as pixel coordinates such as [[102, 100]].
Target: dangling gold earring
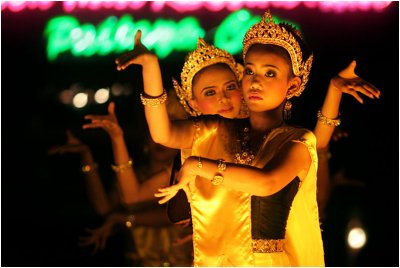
[[287, 110], [244, 109]]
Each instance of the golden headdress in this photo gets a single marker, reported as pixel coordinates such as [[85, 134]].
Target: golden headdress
[[203, 56], [283, 35]]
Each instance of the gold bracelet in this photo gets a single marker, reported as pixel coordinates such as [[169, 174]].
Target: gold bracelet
[[151, 101], [130, 220], [88, 168], [218, 177], [199, 164], [121, 168], [327, 121]]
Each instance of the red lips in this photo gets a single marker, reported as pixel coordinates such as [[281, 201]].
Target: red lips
[[254, 96], [226, 110]]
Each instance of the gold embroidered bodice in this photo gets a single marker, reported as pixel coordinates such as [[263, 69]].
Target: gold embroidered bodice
[[222, 216]]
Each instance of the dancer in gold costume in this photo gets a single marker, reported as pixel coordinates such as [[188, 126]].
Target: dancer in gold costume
[[256, 199], [253, 236]]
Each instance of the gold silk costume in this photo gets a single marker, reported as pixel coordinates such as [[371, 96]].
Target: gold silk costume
[[222, 218]]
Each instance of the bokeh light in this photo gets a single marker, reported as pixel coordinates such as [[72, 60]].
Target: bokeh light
[[356, 238], [80, 100], [102, 95]]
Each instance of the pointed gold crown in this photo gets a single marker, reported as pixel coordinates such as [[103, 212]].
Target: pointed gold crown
[[283, 35], [203, 56]]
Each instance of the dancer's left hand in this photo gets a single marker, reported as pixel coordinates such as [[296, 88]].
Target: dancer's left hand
[[184, 177], [347, 81]]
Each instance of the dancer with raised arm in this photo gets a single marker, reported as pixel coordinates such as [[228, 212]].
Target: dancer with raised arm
[[217, 178]]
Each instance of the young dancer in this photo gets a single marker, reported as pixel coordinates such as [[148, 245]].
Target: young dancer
[[282, 158]]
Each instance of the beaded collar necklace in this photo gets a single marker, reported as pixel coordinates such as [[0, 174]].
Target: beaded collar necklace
[[248, 150]]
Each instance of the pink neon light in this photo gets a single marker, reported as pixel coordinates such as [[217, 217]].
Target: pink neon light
[[180, 6], [234, 6], [70, 6], [285, 4], [214, 6], [185, 6], [17, 6], [157, 6], [13, 6], [122, 6], [342, 6], [335, 6], [94, 5]]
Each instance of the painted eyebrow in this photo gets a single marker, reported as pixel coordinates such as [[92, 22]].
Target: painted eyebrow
[[210, 87], [265, 65]]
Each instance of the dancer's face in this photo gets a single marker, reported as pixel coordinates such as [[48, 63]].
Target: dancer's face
[[216, 91], [267, 80]]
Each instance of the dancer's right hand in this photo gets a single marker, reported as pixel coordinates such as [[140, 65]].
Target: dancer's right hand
[[139, 55], [107, 122]]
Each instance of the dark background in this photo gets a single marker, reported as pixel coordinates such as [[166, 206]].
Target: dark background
[[44, 204]]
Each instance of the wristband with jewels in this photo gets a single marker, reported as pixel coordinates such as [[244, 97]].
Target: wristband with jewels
[[152, 101], [327, 121], [121, 168]]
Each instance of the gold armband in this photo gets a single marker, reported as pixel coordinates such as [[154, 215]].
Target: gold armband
[[151, 101], [121, 168], [327, 121]]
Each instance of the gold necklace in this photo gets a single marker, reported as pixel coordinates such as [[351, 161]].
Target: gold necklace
[[246, 154]]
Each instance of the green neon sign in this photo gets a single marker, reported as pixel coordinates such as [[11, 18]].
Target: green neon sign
[[230, 33], [113, 35], [66, 34]]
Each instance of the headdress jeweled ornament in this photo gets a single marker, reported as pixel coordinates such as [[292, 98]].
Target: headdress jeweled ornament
[[203, 56], [267, 32]]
